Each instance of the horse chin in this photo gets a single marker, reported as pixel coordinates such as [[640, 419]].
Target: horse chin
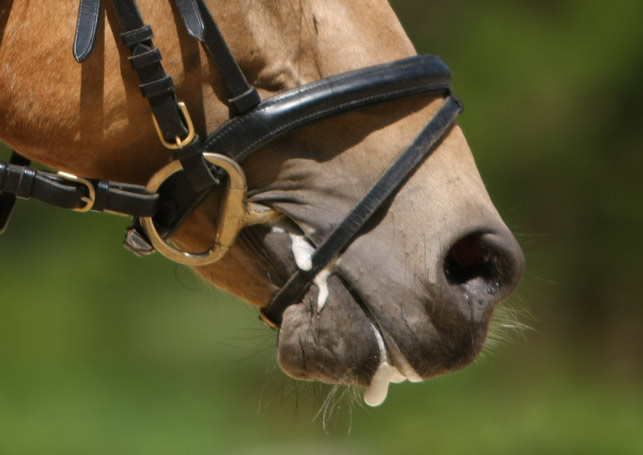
[[334, 344], [326, 336]]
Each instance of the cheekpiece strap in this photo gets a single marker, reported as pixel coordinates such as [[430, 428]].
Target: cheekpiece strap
[[172, 119], [86, 28], [201, 25]]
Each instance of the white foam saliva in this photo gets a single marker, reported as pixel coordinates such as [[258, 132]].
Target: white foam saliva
[[321, 281], [303, 251], [386, 374]]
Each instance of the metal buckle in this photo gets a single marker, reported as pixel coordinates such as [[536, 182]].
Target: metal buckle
[[266, 320], [179, 143], [236, 213], [89, 199]]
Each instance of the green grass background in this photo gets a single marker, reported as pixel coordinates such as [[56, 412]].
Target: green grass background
[[102, 352]]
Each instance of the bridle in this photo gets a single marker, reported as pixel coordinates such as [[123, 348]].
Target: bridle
[[199, 166]]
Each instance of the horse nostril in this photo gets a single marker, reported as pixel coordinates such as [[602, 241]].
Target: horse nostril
[[487, 265], [467, 259]]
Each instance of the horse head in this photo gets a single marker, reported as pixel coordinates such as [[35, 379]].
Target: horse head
[[410, 297]]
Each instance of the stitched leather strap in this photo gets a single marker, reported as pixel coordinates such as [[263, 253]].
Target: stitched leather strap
[[392, 179], [155, 84], [191, 15], [241, 136], [158, 88], [29, 183], [86, 28], [200, 25]]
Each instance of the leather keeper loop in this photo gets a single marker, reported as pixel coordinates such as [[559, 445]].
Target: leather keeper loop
[[3, 172], [139, 35], [24, 189], [145, 59], [198, 173], [244, 102], [157, 88], [195, 166], [102, 188]]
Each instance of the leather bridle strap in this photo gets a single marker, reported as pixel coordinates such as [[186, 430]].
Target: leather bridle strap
[[391, 180], [8, 199], [172, 119], [86, 28], [201, 25], [156, 85], [185, 191], [69, 192], [244, 135]]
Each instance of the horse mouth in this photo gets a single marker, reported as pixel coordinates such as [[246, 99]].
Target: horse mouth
[[341, 343], [335, 334]]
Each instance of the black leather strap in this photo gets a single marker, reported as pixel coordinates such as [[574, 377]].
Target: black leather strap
[[124, 199], [392, 179], [156, 85], [26, 182], [200, 25], [86, 28], [241, 136], [8, 200], [191, 15], [158, 88]]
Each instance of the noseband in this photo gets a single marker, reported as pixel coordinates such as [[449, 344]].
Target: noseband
[[199, 166]]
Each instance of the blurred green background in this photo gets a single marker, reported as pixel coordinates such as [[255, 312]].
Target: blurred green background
[[101, 352]]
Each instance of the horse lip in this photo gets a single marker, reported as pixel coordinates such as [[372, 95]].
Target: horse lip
[[400, 361], [394, 356], [390, 353], [393, 368]]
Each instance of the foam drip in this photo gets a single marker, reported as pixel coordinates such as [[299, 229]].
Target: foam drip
[[321, 281], [303, 251], [386, 374]]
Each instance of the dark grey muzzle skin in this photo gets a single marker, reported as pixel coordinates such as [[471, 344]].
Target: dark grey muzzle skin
[[437, 322]]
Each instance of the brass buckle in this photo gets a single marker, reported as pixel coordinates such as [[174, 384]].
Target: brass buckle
[[236, 213], [90, 198], [266, 320], [179, 143]]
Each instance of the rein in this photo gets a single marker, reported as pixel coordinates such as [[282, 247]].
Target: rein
[[199, 166]]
